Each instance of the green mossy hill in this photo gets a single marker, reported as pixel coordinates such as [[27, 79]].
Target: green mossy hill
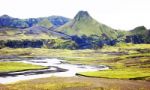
[[138, 30], [84, 24], [45, 23], [138, 35]]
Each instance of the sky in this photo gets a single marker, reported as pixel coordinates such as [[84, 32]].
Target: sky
[[118, 14]]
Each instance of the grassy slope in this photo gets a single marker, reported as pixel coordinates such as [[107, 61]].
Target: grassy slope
[[26, 37], [45, 23], [48, 84], [138, 30], [77, 83], [134, 65], [142, 32], [129, 73], [88, 26], [17, 66], [16, 34]]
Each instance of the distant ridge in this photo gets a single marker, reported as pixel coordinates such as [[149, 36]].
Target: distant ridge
[[81, 32], [7, 21]]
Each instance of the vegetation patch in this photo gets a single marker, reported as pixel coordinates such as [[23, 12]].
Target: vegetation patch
[[77, 83], [120, 74], [17, 66], [127, 61], [48, 84]]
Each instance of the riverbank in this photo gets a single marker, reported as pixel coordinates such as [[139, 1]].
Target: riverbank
[[125, 57], [77, 83], [55, 67], [128, 58], [10, 67]]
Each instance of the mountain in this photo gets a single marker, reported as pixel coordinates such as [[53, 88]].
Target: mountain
[[7, 21], [58, 20], [138, 30], [32, 28], [139, 34], [81, 32], [84, 24], [45, 23]]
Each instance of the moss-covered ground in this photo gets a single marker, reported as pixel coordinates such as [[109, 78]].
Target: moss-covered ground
[[129, 64], [17, 66]]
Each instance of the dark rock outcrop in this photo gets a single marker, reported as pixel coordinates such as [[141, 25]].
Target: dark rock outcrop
[[136, 39], [55, 44]]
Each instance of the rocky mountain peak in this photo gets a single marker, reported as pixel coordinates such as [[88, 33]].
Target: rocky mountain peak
[[5, 16], [82, 15], [140, 28]]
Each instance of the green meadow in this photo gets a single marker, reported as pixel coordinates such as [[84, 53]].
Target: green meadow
[[17, 66], [127, 59], [129, 68]]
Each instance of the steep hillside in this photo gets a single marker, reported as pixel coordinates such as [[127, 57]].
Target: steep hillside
[[138, 30], [34, 37], [34, 32], [84, 24], [138, 35]]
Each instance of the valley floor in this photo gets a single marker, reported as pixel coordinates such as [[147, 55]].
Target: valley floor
[[127, 61]]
